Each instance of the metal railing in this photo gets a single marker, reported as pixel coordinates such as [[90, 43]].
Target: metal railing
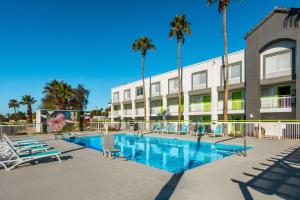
[[172, 109], [200, 107], [232, 105], [278, 102], [156, 110], [127, 112], [20, 129], [139, 111], [282, 130]]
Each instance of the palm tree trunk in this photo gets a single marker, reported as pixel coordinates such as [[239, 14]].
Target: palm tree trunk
[[29, 113], [225, 107], [15, 110], [144, 91], [179, 83]]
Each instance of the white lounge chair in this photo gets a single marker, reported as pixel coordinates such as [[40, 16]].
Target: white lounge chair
[[21, 149], [21, 142], [17, 159]]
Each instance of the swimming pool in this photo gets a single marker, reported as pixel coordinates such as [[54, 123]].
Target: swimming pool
[[171, 155]]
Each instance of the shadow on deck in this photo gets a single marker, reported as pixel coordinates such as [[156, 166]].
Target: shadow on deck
[[281, 178]]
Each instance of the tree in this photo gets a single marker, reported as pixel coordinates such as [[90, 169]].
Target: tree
[[17, 116], [222, 8], [59, 92], [28, 101], [80, 99], [179, 28], [13, 103], [143, 45], [3, 118]]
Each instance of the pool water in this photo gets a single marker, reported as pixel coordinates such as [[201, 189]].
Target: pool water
[[171, 155]]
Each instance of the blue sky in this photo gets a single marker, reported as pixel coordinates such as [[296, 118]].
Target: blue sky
[[89, 41]]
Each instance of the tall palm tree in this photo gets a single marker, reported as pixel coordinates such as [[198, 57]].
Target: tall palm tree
[[143, 45], [222, 8], [13, 103], [179, 28], [29, 101]]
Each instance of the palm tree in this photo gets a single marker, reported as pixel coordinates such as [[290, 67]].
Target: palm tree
[[13, 103], [143, 45], [179, 28], [29, 101], [222, 8], [60, 92]]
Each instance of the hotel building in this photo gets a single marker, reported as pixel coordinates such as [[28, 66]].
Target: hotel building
[[263, 81]]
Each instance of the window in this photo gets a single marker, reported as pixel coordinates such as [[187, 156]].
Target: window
[[155, 89], [267, 92], [173, 85], [278, 62], [127, 95], [234, 73], [139, 91], [116, 97], [199, 80]]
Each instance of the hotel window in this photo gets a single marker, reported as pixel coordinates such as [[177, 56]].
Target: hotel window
[[278, 62], [127, 95], [173, 85], [116, 97], [139, 91], [155, 89], [199, 80], [234, 73]]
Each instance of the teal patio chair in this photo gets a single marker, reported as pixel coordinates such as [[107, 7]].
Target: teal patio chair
[[201, 130], [174, 128], [184, 129], [218, 131]]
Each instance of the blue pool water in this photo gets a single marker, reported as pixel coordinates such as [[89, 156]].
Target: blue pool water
[[171, 155]]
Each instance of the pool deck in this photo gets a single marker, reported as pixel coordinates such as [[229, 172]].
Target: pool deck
[[270, 171]]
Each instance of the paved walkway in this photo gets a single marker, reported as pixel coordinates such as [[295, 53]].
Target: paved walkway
[[271, 171]]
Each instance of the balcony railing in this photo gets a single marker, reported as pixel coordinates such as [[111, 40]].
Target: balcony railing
[[127, 112], [116, 101], [127, 98], [117, 112], [155, 94], [156, 110], [278, 102], [173, 91], [139, 111], [232, 105], [200, 107], [139, 97], [172, 109]]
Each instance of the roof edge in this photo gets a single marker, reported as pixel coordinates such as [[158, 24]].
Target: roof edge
[[275, 10]]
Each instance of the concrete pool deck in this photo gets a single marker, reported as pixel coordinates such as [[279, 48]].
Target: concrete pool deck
[[270, 171]]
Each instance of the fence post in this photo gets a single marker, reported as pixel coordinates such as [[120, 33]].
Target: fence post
[[245, 145], [259, 130], [98, 124], [279, 130]]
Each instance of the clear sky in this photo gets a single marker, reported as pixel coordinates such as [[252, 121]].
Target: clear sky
[[89, 41]]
